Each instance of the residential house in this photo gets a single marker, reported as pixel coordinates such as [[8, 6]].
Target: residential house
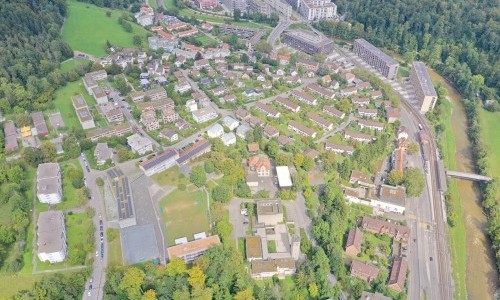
[[308, 65], [51, 236], [191, 105], [284, 140], [367, 112], [114, 115], [169, 115], [303, 97], [311, 153], [253, 148], [261, 165], [333, 112], [109, 131], [376, 94], [373, 296], [361, 101], [321, 91], [390, 199], [230, 123], [339, 149], [267, 110], [215, 131], [102, 153], [360, 178], [348, 91], [49, 183], [364, 85], [169, 135], [398, 274], [287, 104], [364, 271], [270, 132], [219, 91], [252, 93], [301, 129], [281, 267], [139, 144], [255, 121], [354, 240], [228, 139], [321, 122], [371, 125], [395, 231], [393, 114], [228, 99], [82, 112], [181, 124], [242, 114], [358, 136], [39, 123], [182, 86], [242, 131]]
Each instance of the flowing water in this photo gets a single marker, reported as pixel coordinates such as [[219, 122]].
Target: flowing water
[[481, 277]]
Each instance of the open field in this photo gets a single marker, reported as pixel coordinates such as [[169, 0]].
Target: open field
[[114, 249], [11, 284], [490, 122], [72, 64], [184, 214], [87, 29], [62, 102], [170, 177]]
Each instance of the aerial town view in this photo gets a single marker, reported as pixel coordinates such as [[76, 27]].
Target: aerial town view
[[249, 149]]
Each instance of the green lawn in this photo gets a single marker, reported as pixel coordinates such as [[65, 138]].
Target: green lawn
[[71, 64], [87, 29], [299, 26], [457, 233], [115, 249], [170, 177], [205, 40], [169, 4], [62, 102], [271, 246], [490, 122], [184, 214], [11, 284]]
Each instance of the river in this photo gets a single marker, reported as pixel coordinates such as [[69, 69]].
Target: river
[[481, 277]]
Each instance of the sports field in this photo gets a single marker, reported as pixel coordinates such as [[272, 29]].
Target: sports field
[[184, 214], [87, 29]]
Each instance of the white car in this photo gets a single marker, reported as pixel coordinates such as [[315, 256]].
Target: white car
[[97, 253]]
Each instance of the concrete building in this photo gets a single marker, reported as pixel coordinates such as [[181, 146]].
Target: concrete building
[[192, 250], [232, 5], [206, 4], [267, 7], [49, 183], [196, 150], [422, 84], [102, 153], [51, 237], [281, 267], [284, 177], [230, 123], [149, 120], [314, 10], [308, 42], [160, 163], [373, 56], [215, 131], [169, 134], [99, 95], [390, 199], [204, 115], [139, 144], [109, 131], [83, 112], [228, 139], [269, 212]]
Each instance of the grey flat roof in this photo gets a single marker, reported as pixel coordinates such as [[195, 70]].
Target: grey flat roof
[[168, 154], [47, 170], [50, 229], [424, 79], [376, 51], [309, 37]]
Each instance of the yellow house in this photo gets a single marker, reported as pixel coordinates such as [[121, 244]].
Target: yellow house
[[25, 131]]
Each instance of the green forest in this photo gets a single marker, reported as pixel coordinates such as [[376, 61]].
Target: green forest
[[459, 38]]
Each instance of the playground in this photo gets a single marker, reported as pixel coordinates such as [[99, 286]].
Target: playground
[[184, 213]]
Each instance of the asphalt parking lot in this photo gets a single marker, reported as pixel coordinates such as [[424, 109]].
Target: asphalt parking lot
[[139, 244]]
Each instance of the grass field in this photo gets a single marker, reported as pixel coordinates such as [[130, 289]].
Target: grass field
[[457, 235], [170, 177], [87, 29], [11, 284], [71, 64], [490, 122], [115, 249], [184, 214], [62, 102]]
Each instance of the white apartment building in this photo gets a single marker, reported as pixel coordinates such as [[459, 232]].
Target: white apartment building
[[49, 183], [314, 10], [51, 237]]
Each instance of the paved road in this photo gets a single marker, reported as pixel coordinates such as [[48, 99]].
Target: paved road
[[100, 262], [430, 267], [275, 34], [337, 130]]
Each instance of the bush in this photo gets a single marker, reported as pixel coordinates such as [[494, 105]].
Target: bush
[[181, 187], [99, 181]]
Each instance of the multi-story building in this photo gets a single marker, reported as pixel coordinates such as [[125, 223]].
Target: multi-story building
[[156, 94], [204, 115], [196, 150], [376, 58], [233, 5], [267, 7], [83, 112], [314, 10], [308, 42], [358, 136], [192, 250], [206, 4], [114, 115], [49, 183], [160, 163], [139, 144], [109, 131], [149, 120], [301, 129], [51, 237], [371, 125], [339, 149], [398, 274], [169, 115], [364, 271], [426, 94], [368, 112], [261, 165], [398, 232]]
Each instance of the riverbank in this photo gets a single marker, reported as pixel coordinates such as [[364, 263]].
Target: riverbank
[[472, 259]]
